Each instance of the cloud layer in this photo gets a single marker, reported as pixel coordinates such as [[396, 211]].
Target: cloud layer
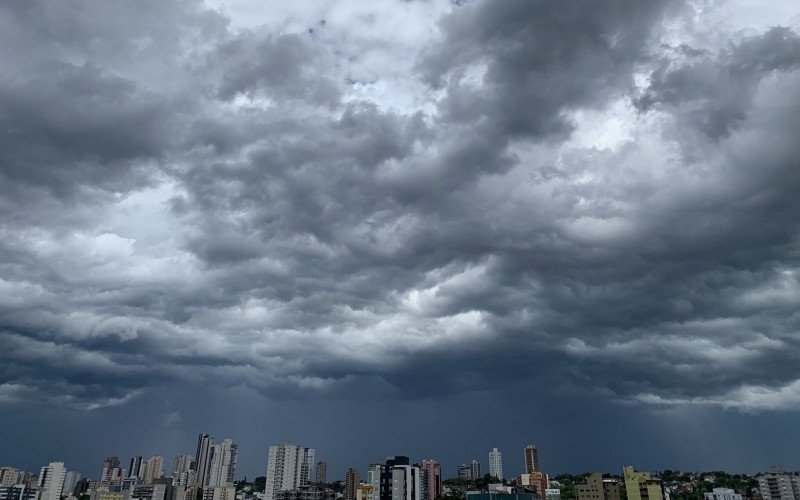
[[599, 197]]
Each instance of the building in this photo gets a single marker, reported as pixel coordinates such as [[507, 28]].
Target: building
[[222, 464], [365, 492], [352, 479], [396, 479], [219, 493], [321, 474], [496, 464], [71, 479], [17, 492], [288, 468], [309, 492], [531, 459], [112, 473], [722, 494], [9, 476], [203, 459], [464, 471], [51, 481], [552, 494], [778, 485], [474, 470], [135, 468], [640, 486], [153, 469], [497, 495], [597, 488], [430, 479], [537, 480], [107, 495]]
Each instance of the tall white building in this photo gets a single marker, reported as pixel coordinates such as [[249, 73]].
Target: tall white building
[[288, 467], [222, 464], [51, 481], [496, 464], [71, 478], [203, 459]]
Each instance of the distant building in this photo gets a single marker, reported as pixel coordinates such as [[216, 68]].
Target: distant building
[[430, 479], [351, 481], [778, 485], [640, 486], [9, 476], [464, 471], [321, 475], [495, 495], [219, 493], [597, 488], [536, 480], [531, 459], [202, 459], [496, 464], [222, 466], [365, 492], [17, 492], [135, 468], [396, 479], [71, 479], [722, 494], [51, 481], [153, 469], [288, 468], [475, 470], [309, 492], [552, 494]]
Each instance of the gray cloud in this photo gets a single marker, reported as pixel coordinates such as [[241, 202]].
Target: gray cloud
[[569, 200]]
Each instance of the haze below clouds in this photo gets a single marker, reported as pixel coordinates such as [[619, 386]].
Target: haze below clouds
[[426, 228]]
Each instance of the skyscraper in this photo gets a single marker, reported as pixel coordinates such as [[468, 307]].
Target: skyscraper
[[322, 472], [135, 470], [111, 474], [153, 469], [222, 466], [51, 481], [288, 467], [351, 482], [430, 479], [203, 459], [531, 459], [475, 470], [496, 464]]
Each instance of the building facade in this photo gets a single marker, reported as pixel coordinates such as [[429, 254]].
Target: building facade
[[496, 464], [597, 488], [321, 474], [153, 469], [396, 479], [531, 459], [288, 468], [722, 494], [640, 486], [430, 479], [222, 464], [778, 485], [51, 481]]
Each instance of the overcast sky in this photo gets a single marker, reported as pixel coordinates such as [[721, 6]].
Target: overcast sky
[[424, 227]]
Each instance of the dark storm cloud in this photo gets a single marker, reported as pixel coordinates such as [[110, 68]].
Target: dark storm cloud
[[186, 203]]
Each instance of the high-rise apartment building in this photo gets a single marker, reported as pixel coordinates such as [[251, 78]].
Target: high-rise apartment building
[[640, 486], [496, 464], [203, 459], [430, 479], [778, 485], [531, 459], [9, 476], [222, 468], [351, 482], [474, 470], [153, 469], [51, 481], [288, 467], [321, 475], [396, 479], [111, 474], [135, 469]]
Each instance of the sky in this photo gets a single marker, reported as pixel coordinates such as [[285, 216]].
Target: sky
[[424, 228]]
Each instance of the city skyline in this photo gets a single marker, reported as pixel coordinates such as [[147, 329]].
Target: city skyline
[[428, 228]]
